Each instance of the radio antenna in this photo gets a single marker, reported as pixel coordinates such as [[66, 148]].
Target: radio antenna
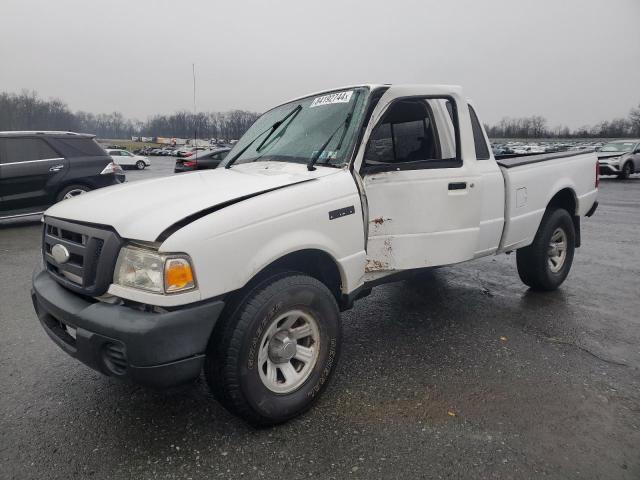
[[195, 112]]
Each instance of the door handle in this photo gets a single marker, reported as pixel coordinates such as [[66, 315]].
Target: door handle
[[458, 186], [56, 168]]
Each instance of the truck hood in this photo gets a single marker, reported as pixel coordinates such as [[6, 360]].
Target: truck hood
[[143, 210]]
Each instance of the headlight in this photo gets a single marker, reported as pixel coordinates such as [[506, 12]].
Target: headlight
[[152, 271]]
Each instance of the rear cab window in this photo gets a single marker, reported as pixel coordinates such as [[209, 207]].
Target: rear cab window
[[482, 149]]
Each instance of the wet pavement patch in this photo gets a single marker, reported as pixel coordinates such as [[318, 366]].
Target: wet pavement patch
[[459, 373]]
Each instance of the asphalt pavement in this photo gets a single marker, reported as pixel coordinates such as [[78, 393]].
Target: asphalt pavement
[[462, 373]]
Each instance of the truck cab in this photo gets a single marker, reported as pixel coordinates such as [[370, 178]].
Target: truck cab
[[242, 271]]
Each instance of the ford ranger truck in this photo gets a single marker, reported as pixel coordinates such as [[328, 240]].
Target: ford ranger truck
[[241, 272]]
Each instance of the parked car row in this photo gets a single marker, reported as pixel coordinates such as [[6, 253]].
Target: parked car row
[[176, 151], [159, 152], [171, 151], [520, 147], [618, 157]]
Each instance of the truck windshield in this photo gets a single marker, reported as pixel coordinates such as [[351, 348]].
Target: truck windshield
[[618, 147], [298, 137]]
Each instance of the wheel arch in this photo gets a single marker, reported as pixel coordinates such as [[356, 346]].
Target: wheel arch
[[567, 199], [314, 262], [631, 163]]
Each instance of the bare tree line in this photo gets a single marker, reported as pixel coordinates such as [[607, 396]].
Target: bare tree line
[[27, 111], [537, 127]]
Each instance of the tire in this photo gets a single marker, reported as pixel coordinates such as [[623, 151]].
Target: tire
[[140, 165], [536, 265], [627, 170], [256, 388], [72, 191]]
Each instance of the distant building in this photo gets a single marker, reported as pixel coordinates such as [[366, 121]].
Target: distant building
[[198, 142]]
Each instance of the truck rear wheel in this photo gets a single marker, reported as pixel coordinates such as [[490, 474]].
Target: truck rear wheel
[[545, 263], [270, 359]]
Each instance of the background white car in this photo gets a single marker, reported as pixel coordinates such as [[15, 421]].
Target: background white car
[[125, 158]]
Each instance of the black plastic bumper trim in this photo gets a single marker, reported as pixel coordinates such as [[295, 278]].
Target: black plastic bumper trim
[[159, 349]]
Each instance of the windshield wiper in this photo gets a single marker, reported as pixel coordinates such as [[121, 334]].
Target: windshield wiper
[[271, 130], [275, 126], [344, 125]]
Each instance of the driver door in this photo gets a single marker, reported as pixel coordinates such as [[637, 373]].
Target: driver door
[[423, 199]]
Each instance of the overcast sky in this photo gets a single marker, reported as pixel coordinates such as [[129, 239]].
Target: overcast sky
[[574, 61]]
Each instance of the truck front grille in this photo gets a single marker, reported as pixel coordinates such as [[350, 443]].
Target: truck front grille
[[80, 256]]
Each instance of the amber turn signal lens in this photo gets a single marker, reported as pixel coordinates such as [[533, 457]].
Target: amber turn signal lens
[[178, 275]]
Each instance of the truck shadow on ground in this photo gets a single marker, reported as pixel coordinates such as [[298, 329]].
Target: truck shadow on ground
[[414, 333]]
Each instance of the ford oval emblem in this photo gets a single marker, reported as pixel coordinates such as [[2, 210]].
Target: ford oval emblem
[[60, 253]]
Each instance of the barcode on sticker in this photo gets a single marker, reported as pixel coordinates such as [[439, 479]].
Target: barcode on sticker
[[339, 97]]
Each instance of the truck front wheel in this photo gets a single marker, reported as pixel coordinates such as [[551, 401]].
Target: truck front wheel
[[545, 263], [270, 359]]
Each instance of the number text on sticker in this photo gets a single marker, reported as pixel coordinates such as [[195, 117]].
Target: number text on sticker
[[339, 97]]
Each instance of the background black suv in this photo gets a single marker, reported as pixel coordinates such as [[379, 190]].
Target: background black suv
[[38, 169]]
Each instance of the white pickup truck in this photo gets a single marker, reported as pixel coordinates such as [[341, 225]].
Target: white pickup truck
[[242, 271]]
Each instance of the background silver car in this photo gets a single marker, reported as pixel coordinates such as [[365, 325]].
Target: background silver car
[[620, 157]]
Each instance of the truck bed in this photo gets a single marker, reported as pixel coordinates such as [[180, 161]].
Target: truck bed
[[516, 160], [537, 179]]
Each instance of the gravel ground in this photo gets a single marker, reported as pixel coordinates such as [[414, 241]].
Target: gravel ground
[[463, 373]]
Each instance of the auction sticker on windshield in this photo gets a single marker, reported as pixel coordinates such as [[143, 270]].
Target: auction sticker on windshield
[[339, 97]]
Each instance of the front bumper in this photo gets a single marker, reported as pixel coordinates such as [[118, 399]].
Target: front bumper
[[608, 167], [155, 349]]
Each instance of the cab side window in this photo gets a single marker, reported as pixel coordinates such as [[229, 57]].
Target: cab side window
[[409, 137]]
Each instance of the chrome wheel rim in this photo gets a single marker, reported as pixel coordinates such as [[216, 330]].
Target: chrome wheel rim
[[140, 165], [557, 250], [289, 351], [74, 193]]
